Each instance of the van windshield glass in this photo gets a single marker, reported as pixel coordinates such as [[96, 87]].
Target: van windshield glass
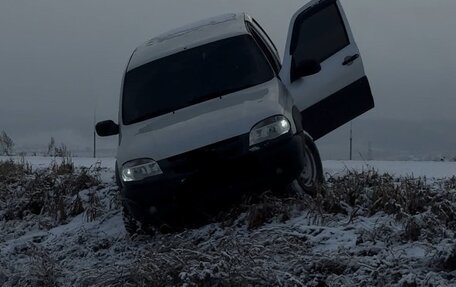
[[193, 76]]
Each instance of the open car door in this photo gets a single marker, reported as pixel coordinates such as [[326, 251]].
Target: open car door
[[323, 70]]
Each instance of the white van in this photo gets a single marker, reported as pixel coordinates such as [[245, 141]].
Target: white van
[[212, 104]]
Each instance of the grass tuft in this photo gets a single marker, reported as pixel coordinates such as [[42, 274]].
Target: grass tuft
[[53, 191]]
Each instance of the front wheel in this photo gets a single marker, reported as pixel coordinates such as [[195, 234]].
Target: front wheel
[[311, 177]]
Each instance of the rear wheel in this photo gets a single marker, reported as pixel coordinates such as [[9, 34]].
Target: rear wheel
[[311, 177]]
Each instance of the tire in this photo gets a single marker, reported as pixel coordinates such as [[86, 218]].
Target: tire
[[311, 177]]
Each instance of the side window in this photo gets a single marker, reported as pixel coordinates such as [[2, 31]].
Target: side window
[[319, 35], [265, 48]]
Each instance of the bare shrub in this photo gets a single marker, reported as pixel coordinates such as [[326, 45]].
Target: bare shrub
[[65, 166], [412, 230], [450, 184], [43, 270], [77, 206], [244, 249], [62, 151], [87, 177], [329, 266], [6, 144], [371, 192], [52, 191], [344, 193], [425, 209], [380, 232], [366, 191], [51, 147], [255, 210], [353, 194], [177, 263], [266, 209], [10, 171], [34, 267], [449, 262], [92, 211], [260, 214]]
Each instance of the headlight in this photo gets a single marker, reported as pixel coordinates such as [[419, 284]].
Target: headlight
[[140, 169], [269, 129]]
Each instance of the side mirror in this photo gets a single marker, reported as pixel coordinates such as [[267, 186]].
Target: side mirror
[[304, 68], [107, 128]]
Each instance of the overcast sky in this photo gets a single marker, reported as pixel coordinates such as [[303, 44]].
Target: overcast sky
[[61, 59]]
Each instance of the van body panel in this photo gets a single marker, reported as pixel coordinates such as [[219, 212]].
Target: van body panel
[[204, 124], [339, 91]]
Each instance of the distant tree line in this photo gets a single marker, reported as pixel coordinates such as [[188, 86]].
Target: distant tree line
[[54, 150]]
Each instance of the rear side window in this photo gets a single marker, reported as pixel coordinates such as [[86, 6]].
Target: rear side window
[[319, 35]]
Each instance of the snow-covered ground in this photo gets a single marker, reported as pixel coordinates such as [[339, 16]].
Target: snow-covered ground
[[43, 161], [307, 247], [429, 169]]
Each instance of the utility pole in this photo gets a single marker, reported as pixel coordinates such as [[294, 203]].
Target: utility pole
[[370, 155], [94, 134], [351, 140]]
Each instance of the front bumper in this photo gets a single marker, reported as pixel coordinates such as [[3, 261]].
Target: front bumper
[[219, 170]]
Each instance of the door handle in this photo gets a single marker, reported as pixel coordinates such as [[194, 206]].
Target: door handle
[[350, 59]]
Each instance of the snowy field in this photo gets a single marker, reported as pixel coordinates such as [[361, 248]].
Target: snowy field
[[369, 230], [434, 169]]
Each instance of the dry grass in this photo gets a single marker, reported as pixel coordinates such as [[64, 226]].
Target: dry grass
[[174, 261], [42, 272], [450, 184], [229, 253], [366, 193], [52, 191], [40, 199], [40, 269], [11, 172], [425, 209]]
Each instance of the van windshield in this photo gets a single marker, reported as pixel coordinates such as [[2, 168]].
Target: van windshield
[[193, 76]]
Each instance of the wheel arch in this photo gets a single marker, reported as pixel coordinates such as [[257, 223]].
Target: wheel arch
[[297, 118]]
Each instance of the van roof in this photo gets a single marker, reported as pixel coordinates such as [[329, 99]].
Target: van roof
[[193, 35]]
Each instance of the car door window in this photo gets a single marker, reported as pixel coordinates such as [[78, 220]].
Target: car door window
[[324, 33], [339, 92]]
